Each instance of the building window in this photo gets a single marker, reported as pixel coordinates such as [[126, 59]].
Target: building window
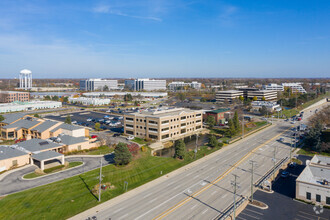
[[165, 136], [153, 122], [327, 201], [318, 198], [165, 122], [198, 127], [153, 136], [198, 121], [129, 132], [308, 195], [165, 129], [183, 131], [153, 129], [198, 115], [130, 119], [183, 124], [183, 117], [128, 125]]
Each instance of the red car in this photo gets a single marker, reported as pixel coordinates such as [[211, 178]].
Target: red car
[[94, 136], [299, 118]]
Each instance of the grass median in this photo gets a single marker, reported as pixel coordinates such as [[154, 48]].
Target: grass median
[[71, 196]]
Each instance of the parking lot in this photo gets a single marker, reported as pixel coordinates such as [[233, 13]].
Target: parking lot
[[281, 203], [115, 122]]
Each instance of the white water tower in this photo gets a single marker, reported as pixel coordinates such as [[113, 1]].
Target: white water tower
[[25, 79]]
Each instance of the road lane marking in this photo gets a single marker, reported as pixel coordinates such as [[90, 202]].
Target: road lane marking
[[196, 176], [152, 200], [304, 217], [224, 196], [123, 216], [214, 193], [251, 216], [259, 213], [188, 174], [170, 183], [184, 201], [118, 210], [147, 195], [204, 211], [193, 206]]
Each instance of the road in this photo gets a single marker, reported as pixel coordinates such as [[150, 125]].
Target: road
[[13, 182], [205, 190]]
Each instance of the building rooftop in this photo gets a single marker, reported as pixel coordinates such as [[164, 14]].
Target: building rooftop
[[219, 110], [7, 152], [23, 123], [321, 160], [10, 118], [44, 126], [69, 140], [36, 145], [12, 92], [230, 91], [163, 112], [67, 127], [46, 155], [315, 175]]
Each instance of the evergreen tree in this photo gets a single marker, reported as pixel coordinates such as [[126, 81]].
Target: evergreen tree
[[213, 142], [2, 118], [210, 121], [122, 154], [231, 129], [313, 138], [236, 121], [68, 120], [97, 126], [180, 149]]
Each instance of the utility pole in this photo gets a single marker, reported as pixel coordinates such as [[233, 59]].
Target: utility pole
[[100, 178], [252, 163], [243, 127], [274, 160], [234, 184], [196, 145]]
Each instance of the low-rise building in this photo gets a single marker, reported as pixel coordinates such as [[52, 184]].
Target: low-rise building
[[11, 158], [219, 115], [112, 94], [274, 87], [263, 95], [89, 101], [228, 95], [163, 124], [145, 84], [295, 87], [98, 84], [181, 85], [270, 105], [12, 96], [29, 106], [312, 185]]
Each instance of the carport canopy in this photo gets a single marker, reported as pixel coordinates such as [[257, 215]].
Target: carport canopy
[[46, 156]]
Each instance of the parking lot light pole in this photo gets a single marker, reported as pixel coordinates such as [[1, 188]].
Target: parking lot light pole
[[100, 178], [234, 184], [252, 163]]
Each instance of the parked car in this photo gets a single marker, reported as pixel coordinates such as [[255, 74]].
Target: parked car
[[131, 137], [281, 140], [74, 122], [116, 135], [94, 136], [284, 174], [292, 164]]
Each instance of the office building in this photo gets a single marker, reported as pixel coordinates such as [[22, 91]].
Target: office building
[[89, 101], [228, 95], [163, 124], [295, 87], [312, 185], [98, 85], [181, 85], [145, 84], [25, 79], [270, 105], [12, 96], [274, 87], [246, 90], [29, 106], [263, 95], [112, 94], [220, 115]]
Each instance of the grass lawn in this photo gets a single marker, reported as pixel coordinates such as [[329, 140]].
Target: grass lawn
[[52, 170], [71, 196], [139, 140], [307, 152], [101, 150]]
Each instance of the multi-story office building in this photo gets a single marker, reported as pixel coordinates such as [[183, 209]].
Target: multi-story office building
[[145, 84], [98, 84], [312, 185], [247, 90], [12, 96], [228, 95], [263, 95], [274, 86], [295, 87], [181, 85], [89, 101], [163, 124]]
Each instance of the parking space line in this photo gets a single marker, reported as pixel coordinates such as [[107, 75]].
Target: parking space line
[[305, 213], [251, 216], [304, 217], [259, 213], [239, 217]]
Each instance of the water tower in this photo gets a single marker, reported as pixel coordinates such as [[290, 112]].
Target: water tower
[[25, 79]]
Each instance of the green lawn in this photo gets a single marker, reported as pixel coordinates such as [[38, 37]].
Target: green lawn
[[71, 196], [101, 150], [139, 140], [307, 152]]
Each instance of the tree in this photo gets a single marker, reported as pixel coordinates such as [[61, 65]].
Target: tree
[[136, 103], [236, 121], [313, 138], [122, 154], [65, 99], [263, 110], [241, 98], [254, 98], [263, 98], [213, 142], [47, 97], [2, 118], [68, 120], [97, 126], [181, 96], [210, 120], [231, 129], [36, 115], [128, 97], [203, 99], [105, 88], [180, 149], [55, 98]]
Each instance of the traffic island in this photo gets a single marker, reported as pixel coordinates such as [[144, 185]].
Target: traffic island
[[258, 204]]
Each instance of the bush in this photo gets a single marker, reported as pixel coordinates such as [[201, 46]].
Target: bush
[[144, 148], [133, 149]]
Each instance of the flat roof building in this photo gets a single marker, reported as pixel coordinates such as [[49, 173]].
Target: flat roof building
[[89, 101], [312, 185], [98, 84], [163, 124], [274, 86], [270, 105], [12, 96], [181, 85], [263, 95], [29, 106], [295, 87], [111, 94], [228, 95], [145, 84]]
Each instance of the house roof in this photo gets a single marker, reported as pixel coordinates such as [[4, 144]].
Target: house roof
[[35, 145], [23, 123], [10, 118], [219, 110], [314, 175], [44, 126], [69, 140], [67, 127], [46, 155], [7, 152]]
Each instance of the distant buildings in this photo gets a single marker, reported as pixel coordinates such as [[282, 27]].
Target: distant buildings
[[181, 85], [270, 105], [295, 87], [163, 124], [274, 86], [228, 95], [12, 96], [145, 84], [98, 84], [25, 79], [312, 185], [263, 95], [89, 101], [28, 106], [112, 94]]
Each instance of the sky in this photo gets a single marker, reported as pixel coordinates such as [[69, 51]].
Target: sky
[[165, 38]]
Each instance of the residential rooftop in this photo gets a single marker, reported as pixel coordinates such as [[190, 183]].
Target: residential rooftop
[[35, 145], [7, 152], [10, 118]]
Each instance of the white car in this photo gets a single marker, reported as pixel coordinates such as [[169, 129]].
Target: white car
[[89, 119], [74, 122], [131, 137]]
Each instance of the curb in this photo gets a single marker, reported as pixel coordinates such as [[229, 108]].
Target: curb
[[2, 176]]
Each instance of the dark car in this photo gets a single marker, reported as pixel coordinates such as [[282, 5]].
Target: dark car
[[116, 135], [292, 164], [284, 174]]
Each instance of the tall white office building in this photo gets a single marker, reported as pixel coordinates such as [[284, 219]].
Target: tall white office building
[[145, 84], [180, 85], [98, 84], [295, 87], [25, 79]]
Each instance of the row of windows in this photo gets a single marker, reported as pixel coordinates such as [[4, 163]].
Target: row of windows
[[165, 122], [317, 198]]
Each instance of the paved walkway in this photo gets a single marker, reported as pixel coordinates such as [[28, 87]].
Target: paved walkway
[[14, 182]]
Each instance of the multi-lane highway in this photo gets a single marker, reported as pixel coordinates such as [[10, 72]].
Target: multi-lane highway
[[205, 190]]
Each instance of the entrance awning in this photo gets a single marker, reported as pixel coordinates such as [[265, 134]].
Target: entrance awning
[[46, 155]]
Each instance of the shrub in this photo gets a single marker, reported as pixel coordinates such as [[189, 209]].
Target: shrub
[[133, 149]]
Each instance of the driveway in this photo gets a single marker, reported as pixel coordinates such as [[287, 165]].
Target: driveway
[[13, 182]]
